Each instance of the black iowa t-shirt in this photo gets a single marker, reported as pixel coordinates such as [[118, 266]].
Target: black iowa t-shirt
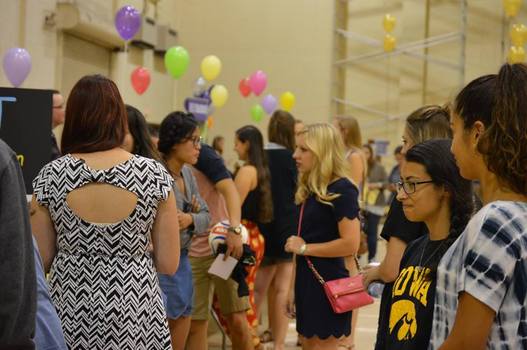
[[396, 225], [412, 300]]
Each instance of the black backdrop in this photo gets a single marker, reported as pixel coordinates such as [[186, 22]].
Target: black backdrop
[[25, 125]]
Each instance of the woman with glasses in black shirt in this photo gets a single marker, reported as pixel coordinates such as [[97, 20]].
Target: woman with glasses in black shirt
[[432, 191], [425, 123]]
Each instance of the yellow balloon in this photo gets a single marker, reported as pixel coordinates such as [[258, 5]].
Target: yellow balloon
[[516, 54], [287, 101], [518, 34], [511, 7], [210, 67], [388, 23], [389, 43], [219, 95]]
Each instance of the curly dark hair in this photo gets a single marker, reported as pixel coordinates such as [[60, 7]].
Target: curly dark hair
[[176, 128], [138, 128], [500, 103], [258, 158], [440, 164]]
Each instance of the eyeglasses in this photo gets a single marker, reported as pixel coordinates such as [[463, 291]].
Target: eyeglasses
[[196, 140], [409, 186]]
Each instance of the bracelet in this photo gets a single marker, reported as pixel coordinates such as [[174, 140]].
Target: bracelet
[[302, 249]]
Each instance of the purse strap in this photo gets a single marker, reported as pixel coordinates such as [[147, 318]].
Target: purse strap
[[309, 263]]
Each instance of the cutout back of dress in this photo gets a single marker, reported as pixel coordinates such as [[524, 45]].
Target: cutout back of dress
[[99, 203]]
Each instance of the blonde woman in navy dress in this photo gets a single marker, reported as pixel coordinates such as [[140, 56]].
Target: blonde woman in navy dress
[[329, 232]]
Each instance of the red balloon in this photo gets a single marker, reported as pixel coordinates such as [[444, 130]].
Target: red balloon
[[244, 87], [140, 80]]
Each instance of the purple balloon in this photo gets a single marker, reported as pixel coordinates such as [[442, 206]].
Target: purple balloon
[[127, 22], [269, 103], [17, 64]]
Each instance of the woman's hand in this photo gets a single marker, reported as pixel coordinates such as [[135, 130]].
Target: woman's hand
[[185, 220], [370, 275], [195, 206], [293, 245]]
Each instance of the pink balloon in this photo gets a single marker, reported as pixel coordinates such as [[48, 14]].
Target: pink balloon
[[258, 82]]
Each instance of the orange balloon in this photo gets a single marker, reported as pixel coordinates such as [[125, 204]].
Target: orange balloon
[[210, 122]]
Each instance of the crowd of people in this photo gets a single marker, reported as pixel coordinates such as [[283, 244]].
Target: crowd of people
[[113, 251]]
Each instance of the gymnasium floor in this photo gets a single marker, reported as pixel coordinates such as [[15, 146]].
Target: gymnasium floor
[[366, 325]]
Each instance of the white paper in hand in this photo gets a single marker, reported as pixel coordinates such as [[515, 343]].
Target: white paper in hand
[[221, 268]]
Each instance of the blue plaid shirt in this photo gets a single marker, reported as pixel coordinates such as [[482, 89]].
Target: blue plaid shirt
[[489, 262]]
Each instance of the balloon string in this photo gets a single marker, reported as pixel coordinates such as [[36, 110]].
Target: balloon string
[[126, 53], [388, 66]]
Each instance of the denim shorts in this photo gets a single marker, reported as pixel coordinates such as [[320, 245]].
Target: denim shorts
[[177, 289]]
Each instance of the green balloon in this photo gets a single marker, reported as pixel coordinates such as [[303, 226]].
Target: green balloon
[[257, 113], [176, 61]]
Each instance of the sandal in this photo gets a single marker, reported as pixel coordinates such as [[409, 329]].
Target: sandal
[[266, 336]]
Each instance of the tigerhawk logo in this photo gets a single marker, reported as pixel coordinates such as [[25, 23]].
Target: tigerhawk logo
[[402, 320], [412, 283]]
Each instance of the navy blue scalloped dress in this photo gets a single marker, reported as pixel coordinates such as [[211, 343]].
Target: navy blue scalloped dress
[[314, 314]]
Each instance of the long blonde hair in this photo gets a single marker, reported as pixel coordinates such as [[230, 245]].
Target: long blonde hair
[[325, 143]]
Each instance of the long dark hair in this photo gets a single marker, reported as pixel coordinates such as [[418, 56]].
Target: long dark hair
[[95, 116], [370, 161], [500, 103], [138, 128], [256, 157], [440, 164]]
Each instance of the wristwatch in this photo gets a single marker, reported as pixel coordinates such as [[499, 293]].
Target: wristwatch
[[236, 230]]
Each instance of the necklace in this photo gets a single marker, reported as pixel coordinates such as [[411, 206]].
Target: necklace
[[431, 255]]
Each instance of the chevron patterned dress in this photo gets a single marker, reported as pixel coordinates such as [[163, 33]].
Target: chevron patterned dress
[[103, 281]]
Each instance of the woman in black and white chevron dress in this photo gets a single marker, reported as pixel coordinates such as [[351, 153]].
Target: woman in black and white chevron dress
[[95, 212]]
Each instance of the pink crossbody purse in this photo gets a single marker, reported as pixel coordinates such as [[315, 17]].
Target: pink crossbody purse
[[344, 294]]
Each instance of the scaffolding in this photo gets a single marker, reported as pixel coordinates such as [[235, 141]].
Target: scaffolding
[[416, 49]]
